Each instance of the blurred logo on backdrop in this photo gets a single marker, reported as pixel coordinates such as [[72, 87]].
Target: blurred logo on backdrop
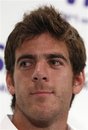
[[1, 59], [2, 69], [77, 17], [85, 2]]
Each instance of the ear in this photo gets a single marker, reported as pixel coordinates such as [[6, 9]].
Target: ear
[[10, 84], [78, 82]]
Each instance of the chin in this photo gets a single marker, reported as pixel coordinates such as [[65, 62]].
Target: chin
[[41, 123], [43, 118]]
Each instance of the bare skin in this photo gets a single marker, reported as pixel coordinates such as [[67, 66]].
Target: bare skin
[[43, 84]]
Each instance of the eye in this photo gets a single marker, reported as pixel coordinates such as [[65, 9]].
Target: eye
[[56, 62], [25, 64]]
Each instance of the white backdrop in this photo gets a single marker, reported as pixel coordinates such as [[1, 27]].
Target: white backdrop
[[11, 11]]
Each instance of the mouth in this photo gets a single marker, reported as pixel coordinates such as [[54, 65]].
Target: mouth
[[41, 93]]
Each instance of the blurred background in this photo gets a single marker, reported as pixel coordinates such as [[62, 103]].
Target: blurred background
[[76, 12]]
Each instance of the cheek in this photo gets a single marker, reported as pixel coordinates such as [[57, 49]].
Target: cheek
[[22, 77], [63, 89], [20, 83], [63, 83], [63, 78], [21, 90]]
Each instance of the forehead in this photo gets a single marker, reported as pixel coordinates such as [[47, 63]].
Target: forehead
[[43, 43]]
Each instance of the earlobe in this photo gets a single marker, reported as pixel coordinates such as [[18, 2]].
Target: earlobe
[[10, 85], [78, 82]]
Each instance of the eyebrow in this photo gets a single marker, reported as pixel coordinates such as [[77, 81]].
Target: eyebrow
[[57, 55], [47, 56], [26, 56]]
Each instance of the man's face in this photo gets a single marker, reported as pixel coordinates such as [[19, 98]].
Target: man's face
[[43, 79]]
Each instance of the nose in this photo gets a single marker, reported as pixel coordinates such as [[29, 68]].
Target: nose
[[40, 73]]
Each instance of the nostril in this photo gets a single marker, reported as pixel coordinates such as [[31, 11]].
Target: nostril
[[35, 78], [44, 78], [41, 78]]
